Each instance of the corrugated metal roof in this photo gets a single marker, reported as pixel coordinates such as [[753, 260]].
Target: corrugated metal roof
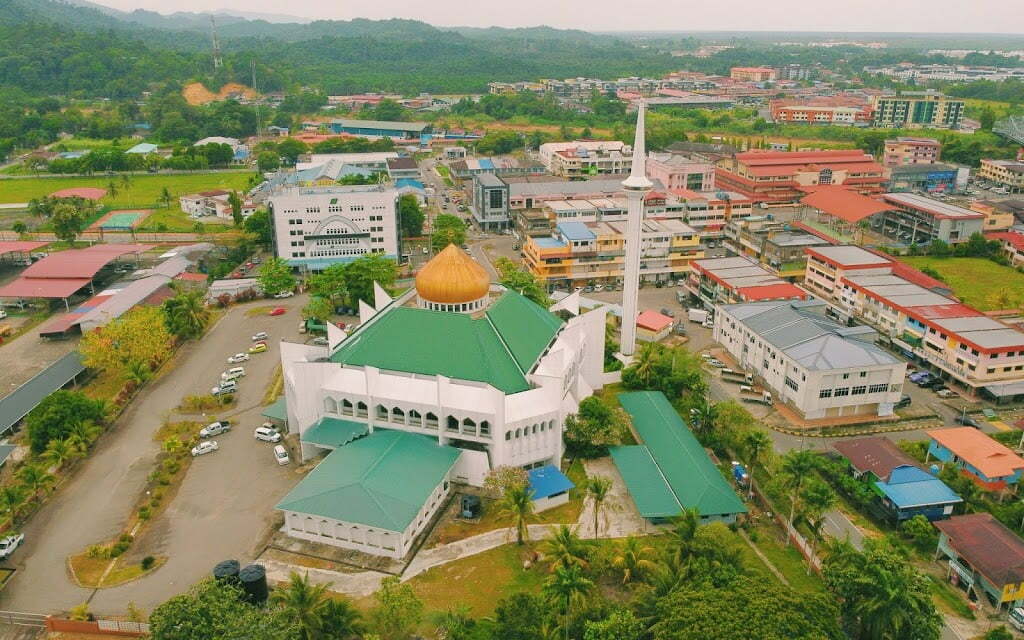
[[547, 481], [17, 405], [334, 432], [909, 486]]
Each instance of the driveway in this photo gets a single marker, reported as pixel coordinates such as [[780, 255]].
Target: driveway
[[222, 508]]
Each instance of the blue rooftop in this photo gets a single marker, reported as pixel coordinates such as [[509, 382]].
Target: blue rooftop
[[548, 481], [575, 231], [486, 163], [911, 487], [409, 182], [142, 147], [549, 243]]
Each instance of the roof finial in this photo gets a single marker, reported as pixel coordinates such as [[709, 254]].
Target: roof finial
[[638, 174]]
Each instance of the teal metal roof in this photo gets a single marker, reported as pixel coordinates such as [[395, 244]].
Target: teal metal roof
[[334, 432], [649, 489], [277, 411], [496, 350], [680, 459], [382, 480]]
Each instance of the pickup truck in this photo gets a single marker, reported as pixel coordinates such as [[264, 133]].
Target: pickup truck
[[9, 544], [760, 396], [738, 377]]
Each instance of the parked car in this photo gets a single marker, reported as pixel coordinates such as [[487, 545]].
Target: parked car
[[259, 347], [903, 402], [320, 341], [946, 393], [228, 386], [262, 335], [284, 294], [233, 374], [267, 433], [281, 454], [967, 421], [215, 429], [3, 314], [207, 446], [715, 362], [9, 544], [915, 376], [238, 357], [278, 311], [665, 311]]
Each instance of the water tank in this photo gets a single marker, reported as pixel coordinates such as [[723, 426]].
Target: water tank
[[227, 571], [254, 583]]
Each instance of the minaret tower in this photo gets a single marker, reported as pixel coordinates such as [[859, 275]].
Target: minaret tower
[[637, 187]]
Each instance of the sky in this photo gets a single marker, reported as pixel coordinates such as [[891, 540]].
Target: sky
[[946, 16]]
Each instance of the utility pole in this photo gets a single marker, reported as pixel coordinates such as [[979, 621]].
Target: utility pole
[[217, 61]]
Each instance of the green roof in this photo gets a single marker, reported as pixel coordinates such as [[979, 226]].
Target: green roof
[[687, 471], [648, 487], [334, 432], [497, 350], [277, 411], [382, 480]]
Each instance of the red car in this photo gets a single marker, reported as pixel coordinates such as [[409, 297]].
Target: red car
[[277, 311]]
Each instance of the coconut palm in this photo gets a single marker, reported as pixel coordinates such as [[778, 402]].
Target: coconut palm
[[12, 498], [646, 361], [756, 442], [340, 619], [165, 197], [598, 488], [112, 190], [186, 314], [60, 452], [517, 503], [566, 589], [703, 416], [138, 372], [34, 478], [565, 549], [304, 603], [684, 528], [795, 467], [634, 559], [83, 434]]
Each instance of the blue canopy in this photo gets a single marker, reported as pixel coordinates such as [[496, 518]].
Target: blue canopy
[[548, 481]]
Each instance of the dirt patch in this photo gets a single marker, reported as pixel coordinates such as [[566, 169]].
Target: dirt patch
[[196, 94]]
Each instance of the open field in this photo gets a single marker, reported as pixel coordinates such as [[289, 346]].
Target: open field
[[980, 283], [143, 190]]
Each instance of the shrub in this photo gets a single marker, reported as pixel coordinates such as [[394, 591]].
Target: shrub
[[125, 537], [171, 466], [145, 513], [80, 612], [148, 562], [97, 552]]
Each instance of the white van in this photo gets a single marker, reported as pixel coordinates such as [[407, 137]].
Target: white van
[[281, 454], [233, 374]]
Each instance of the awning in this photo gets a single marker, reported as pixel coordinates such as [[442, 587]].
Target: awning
[[43, 287], [335, 432], [1005, 390], [277, 411]]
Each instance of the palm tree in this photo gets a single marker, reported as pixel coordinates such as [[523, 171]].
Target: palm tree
[[684, 528], [165, 197], [816, 498], [895, 601], [186, 314], [565, 549], [112, 189], [634, 560], [341, 619], [518, 504], [566, 588], [703, 416], [59, 452], [304, 604], [598, 488], [646, 361], [756, 442], [34, 478], [795, 466], [83, 434], [138, 372], [11, 499]]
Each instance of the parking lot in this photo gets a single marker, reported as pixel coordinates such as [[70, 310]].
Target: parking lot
[[222, 509]]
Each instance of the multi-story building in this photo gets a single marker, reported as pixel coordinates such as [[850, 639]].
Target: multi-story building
[[821, 110], [917, 315], [315, 227], [677, 171], [778, 176], [916, 110], [917, 219], [794, 72], [709, 211], [931, 178], [1007, 173], [586, 158], [507, 166], [715, 281], [1012, 245], [819, 367], [753, 74], [489, 204], [771, 243], [903, 151], [214, 203], [586, 253], [998, 216], [986, 557]]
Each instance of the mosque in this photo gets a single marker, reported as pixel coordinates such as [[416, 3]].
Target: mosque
[[440, 385]]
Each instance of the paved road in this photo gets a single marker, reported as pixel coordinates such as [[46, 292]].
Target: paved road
[[221, 510]]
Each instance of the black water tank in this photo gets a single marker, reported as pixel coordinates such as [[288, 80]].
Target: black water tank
[[227, 571], [254, 583]]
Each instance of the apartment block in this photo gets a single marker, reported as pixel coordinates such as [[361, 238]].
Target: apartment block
[[1007, 173], [677, 171], [586, 158], [779, 176], [753, 74], [916, 110], [839, 110], [583, 253], [903, 151], [715, 281], [771, 243], [917, 219]]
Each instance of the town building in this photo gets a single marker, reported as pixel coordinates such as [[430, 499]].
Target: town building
[[929, 178], [903, 151], [709, 211], [753, 74], [585, 158], [652, 326], [673, 99], [986, 557], [1008, 174], [991, 465], [466, 168], [315, 227], [381, 129], [771, 243], [819, 367], [716, 281], [403, 167], [915, 219], [785, 176], [917, 110], [215, 203], [958, 343], [677, 171], [374, 161], [669, 470], [998, 216], [821, 110], [454, 153], [1012, 244], [579, 254], [417, 399]]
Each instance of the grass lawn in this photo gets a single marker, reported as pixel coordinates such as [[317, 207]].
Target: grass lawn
[[978, 282], [786, 559], [143, 191], [949, 600], [89, 571]]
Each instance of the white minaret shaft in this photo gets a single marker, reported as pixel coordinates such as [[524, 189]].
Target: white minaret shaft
[[636, 186]]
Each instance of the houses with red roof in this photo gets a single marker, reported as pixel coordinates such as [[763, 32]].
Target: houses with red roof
[[785, 176], [985, 558], [652, 326], [991, 465], [1012, 244], [214, 203], [738, 279]]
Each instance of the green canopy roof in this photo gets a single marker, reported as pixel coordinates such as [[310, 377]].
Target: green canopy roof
[[334, 432], [686, 470], [497, 349], [277, 411], [382, 480]]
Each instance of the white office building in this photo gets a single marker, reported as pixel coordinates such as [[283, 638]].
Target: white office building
[[818, 367], [314, 227]]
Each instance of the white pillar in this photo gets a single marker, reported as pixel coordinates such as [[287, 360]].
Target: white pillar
[[637, 186]]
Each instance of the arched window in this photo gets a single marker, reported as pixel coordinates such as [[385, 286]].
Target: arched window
[[468, 426], [346, 407], [361, 409], [508, 435], [415, 419], [382, 412], [453, 423], [519, 433], [397, 415], [330, 405], [534, 428], [542, 426], [431, 420], [485, 428]]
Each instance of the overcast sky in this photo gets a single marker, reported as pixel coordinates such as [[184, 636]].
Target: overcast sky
[[960, 16]]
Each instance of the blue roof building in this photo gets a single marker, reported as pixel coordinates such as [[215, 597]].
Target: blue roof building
[[910, 491], [576, 232], [143, 148], [549, 487]]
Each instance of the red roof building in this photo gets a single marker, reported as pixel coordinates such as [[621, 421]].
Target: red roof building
[[984, 555], [842, 203], [780, 176]]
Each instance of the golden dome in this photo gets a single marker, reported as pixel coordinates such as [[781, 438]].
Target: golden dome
[[452, 277]]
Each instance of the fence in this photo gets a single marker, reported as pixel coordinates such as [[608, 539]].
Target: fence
[[792, 535], [22, 619], [124, 628]]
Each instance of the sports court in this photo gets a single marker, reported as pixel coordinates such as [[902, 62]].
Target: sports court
[[123, 220]]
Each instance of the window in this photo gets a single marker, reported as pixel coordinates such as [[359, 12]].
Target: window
[[791, 383], [415, 419], [382, 412], [346, 407], [397, 415], [863, 374], [361, 409], [878, 388], [859, 390], [842, 391], [825, 393], [331, 406], [485, 428], [453, 423], [431, 420]]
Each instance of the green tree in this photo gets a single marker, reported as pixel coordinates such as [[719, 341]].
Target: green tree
[[303, 603], [185, 314], [682, 535], [275, 276], [517, 504], [796, 465], [329, 283], [20, 228], [635, 559], [565, 549], [12, 499], [35, 479], [519, 279], [519, 617], [921, 532], [987, 118], [61, 451], [620, 624], [236, 208], [214, 609], [410, 216], [360, 274], [567, 589], [290, 149], [319, 309], [57, 415], [755, 442], [268, 161], [598, 489], [340, 619], [595, 427], [259, 225], [165, 197], [68, 221], [816, 498], [138, 336], [448, 229], [398, 610]]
